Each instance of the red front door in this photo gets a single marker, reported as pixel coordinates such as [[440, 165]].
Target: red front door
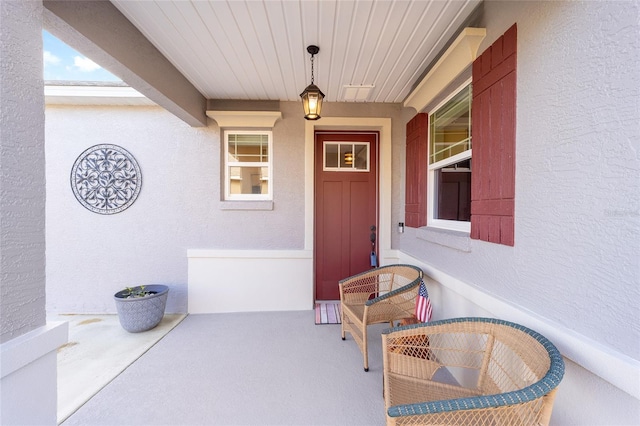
[[346, 207]]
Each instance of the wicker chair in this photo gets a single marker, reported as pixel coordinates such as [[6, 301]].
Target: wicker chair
[[509, 374], [384, 294]]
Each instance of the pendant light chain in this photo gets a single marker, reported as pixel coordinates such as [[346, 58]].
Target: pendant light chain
[[312, 96]]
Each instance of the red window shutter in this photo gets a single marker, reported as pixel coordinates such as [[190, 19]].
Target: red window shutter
[[494, 140], [416, 187]]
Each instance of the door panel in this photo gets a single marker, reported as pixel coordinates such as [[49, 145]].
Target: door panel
[[331, 229], [359, 230], [346, 208]]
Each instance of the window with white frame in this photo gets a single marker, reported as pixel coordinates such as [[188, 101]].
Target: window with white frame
[[449, 179], [346, 156], [248, 165]]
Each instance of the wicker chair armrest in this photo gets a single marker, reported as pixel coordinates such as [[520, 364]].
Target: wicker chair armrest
[[471, 403], [539, 389]]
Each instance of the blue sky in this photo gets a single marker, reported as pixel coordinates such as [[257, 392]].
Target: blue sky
[[63, 63]]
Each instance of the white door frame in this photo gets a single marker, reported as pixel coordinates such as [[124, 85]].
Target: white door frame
[[382, 125]]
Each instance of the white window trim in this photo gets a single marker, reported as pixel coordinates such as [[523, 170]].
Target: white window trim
[[453, 225], [269, 164], [344, 169]]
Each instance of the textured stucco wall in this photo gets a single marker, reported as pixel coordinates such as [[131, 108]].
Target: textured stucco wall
[[578, 168], [575, 262], [22, 178], [575, 259], [27, 343], [91, 256]]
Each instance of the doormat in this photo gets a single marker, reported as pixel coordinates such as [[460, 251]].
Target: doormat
[[328, 312]]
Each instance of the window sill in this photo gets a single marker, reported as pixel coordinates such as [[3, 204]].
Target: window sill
[[247, 205], [457, 240]]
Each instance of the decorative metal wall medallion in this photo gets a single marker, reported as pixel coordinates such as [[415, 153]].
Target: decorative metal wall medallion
[[106, 179]]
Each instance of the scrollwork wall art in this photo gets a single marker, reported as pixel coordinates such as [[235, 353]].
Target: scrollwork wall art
[[106, 179]]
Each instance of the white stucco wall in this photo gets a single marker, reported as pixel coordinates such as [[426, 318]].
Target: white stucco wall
[[575, 264], [27, 344], [22, 194], [91, 256], [578, 169]]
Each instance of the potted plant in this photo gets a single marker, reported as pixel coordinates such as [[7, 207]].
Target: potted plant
[[141, 308]]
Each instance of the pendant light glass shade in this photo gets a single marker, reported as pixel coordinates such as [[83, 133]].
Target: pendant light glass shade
[[312, 102], [312, 96]]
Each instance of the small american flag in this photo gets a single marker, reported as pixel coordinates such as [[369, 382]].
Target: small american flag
[[423, 304]]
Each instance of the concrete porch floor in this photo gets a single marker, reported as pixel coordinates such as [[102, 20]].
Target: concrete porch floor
[[97, 351], [262, 368]]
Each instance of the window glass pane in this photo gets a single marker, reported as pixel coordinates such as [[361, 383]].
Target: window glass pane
[[331, 155], [248, 180], [361, 156], [345, 156], [453, 191], [450, 127], [246, 148]]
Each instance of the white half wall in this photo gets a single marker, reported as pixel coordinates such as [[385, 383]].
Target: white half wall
[[28, 386], [249, 280]]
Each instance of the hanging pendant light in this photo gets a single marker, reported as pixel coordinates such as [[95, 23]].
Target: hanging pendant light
[[348, 158], [312, 96]]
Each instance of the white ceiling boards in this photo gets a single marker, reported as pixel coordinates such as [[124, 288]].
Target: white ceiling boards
[[255, 50]]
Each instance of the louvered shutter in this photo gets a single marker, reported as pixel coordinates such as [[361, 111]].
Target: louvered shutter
[[416, 181], [494, 140]]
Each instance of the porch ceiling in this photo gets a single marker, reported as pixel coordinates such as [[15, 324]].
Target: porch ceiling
[[256, 50]]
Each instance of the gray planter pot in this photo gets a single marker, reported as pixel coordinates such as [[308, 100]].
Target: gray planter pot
[[141, 313]]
